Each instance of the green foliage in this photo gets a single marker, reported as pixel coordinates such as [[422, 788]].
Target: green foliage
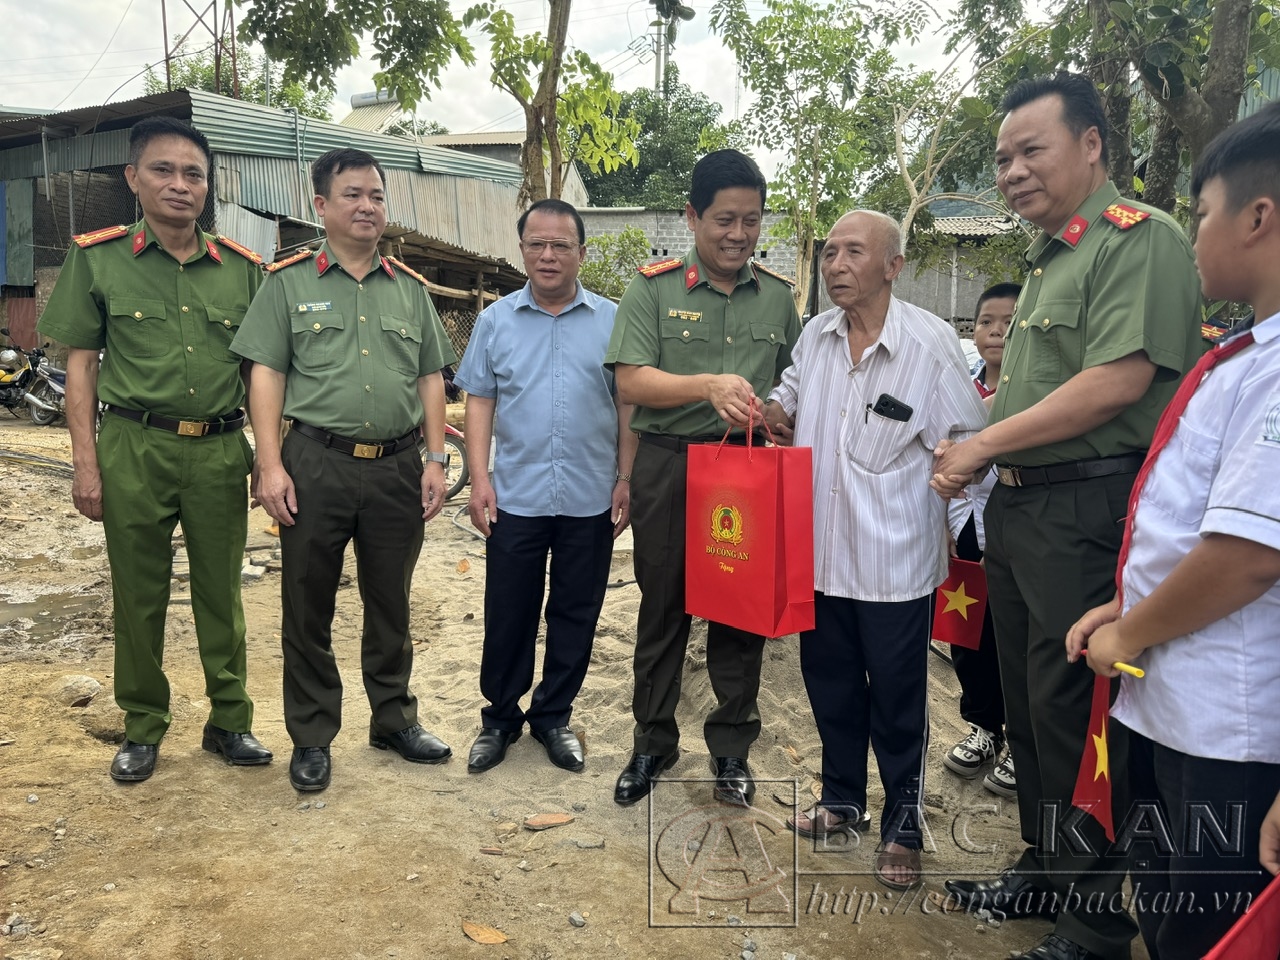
[[195, 71], [997, 258], [674, 132], [619, 256], [413, 40], [411, 128]]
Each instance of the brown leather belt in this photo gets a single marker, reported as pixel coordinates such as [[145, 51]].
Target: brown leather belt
[[1073, 470], [226, 423], [681, 444], [363, 449]]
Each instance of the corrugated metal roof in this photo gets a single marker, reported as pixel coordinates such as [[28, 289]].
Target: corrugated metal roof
[[248, 229], [972, 226], [375, 117], [76, 153], [475, 139]]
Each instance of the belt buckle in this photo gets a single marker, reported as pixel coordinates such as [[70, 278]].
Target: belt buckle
[[1008, 476], [367, 451], [192, 428]]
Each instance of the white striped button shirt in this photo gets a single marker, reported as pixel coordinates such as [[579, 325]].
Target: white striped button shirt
[[879, 530]]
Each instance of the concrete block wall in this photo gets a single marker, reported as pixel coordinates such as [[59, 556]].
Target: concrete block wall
[[669, 233]]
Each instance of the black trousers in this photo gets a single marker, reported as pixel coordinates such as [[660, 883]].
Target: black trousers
[[1187, 900], [1051, 555], [662, 630], [981, 698], [865, 668], [378, 504], [581, 549]]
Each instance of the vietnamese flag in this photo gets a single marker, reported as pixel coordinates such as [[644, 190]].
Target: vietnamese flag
[[960, 605], [1256, 934], [1093, 782]]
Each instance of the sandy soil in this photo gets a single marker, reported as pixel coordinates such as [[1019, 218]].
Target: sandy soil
[[210, 861]]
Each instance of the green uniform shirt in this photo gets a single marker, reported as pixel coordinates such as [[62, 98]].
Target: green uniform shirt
[[167, 326], [677, 322], [1097, 291], [351, 351]]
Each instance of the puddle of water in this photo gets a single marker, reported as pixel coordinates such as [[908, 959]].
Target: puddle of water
[[85, 553], [49, 613], [39, 560]]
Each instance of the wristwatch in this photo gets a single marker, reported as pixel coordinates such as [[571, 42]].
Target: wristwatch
[[433, 457]]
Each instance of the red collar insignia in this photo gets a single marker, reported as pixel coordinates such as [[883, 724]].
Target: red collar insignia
[[322, 264], [691, 277], [213, 251], [1075, 229], [386, 265], [139, 241]]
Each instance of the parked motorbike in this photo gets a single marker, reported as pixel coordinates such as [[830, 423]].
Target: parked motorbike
[[16, 376], [456, 474], [47, 397]]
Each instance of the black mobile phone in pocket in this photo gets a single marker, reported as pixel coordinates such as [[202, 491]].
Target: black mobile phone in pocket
[[891, 409]]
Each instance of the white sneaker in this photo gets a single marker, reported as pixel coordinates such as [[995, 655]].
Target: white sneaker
[[967, 757], [1001, 780]]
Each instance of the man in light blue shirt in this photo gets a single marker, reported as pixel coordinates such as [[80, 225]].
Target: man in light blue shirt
[[561, 484]]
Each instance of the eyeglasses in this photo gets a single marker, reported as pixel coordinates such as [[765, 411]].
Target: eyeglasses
[[561, 248]]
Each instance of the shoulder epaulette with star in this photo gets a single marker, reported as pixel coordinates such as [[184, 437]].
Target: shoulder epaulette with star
[[1214, 330], [290, 261], [757, 265], [401, 265], [662, 266], [97, 236], [244, 251], [1123, 215]]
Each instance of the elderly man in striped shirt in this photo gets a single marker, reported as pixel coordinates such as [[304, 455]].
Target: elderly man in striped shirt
[[874, 385]]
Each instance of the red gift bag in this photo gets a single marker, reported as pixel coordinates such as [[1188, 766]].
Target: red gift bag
[[960, 605], [749, 537]]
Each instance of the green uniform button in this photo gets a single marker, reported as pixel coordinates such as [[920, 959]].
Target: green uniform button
[[315, 326], [191, 349], [1045, 321], [685, 334], [368, 389], [728, 339], [1022, 325], [138, 315], [186, 309], [191, 391], [1037, 271], [364, 353], [226, 323], [1005, 378], [363, 319]]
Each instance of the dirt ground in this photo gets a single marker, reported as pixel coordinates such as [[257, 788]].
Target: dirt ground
[[210, 861]]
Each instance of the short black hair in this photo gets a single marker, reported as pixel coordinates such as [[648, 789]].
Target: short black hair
[[1246, 157], [148, 129], [724, 170], [997, 291], [557, 208], [1081, 105], [328, 165]]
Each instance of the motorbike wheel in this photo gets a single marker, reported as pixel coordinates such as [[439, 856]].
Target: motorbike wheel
[[40, 416], [456, 474]]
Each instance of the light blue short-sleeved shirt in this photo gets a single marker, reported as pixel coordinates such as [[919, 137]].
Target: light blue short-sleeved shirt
[[556, 425]]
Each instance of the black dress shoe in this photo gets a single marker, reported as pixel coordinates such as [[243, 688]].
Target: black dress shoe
[[1054, 947], [1010, 897], [240, 749], [563, 748], [309, 768], [134, 761], [490, 748], [733, 781], [412, 743], [636, 779]]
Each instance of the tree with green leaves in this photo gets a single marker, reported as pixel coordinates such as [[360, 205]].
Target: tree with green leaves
[[809, 66], [413, 40], [571, 110], [677, 127], [618, 255], [195, 71]]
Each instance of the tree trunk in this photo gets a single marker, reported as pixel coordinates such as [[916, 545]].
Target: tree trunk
[[1160, 186], [1112, 75], [804, 267], [541, 129]]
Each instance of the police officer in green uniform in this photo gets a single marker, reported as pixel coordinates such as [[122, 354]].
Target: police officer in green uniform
[[1107, 324], [348, 346], [165, 299], [695, 343]]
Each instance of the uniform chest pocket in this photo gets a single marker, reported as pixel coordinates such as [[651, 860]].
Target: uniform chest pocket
[[402, 342], [684, 346], [1053, 341], [221, 330], [140, 327], [880, 441], [317, 339]]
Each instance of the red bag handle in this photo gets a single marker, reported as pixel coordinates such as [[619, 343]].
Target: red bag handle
[[750, 435]]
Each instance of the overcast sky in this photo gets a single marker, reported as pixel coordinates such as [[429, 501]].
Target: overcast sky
[[62, 54]]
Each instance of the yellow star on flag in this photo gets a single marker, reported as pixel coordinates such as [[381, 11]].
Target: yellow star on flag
[[1103, 768], [958, 600]]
